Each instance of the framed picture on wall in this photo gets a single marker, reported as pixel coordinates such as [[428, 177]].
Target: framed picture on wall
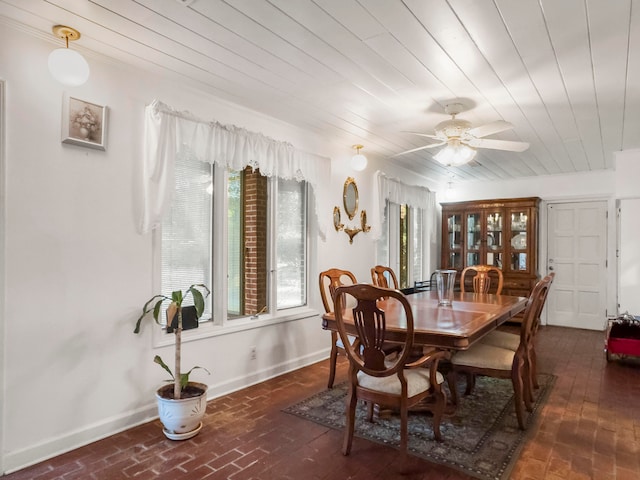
[[84, 123]]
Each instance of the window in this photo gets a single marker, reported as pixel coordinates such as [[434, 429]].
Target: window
[[186, 230], [291, 251], [260, 262], [401, 245]]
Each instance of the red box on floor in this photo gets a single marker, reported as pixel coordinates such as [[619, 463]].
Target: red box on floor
[[622, 339]]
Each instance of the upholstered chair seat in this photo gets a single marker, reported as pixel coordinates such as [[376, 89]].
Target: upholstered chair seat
[[501, 339], [417, 381], [485, 356]]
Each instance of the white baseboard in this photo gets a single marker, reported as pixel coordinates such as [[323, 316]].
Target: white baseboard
[[64, 443], [52, 447]]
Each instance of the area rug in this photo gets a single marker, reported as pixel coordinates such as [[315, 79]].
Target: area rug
[[481, 438]]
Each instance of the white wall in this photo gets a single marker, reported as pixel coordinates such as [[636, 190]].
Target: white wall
[[552, 187], [77, 273], [628, 192]]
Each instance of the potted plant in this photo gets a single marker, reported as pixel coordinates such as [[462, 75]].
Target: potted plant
[[181, 406]]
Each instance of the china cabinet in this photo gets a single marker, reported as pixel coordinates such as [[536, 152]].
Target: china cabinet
[[501, 232]]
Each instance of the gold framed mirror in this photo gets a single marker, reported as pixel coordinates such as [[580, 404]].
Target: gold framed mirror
[[350, 197], [336, 219]]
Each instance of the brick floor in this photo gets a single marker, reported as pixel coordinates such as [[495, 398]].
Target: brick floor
[[589, 429]]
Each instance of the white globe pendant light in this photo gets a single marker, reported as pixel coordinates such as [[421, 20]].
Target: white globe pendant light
[[358, 161], [68, 66]]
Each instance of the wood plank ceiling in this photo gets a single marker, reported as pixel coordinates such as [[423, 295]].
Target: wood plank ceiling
[[565, 73]]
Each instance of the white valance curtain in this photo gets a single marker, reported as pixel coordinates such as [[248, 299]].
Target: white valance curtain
[[400, 193], [168, 133]]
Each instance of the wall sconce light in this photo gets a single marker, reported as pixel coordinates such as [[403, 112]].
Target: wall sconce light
[[358, 161], [68, 66], [350, 199], [455, 153]]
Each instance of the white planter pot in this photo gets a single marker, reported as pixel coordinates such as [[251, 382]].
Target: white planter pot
[[182, 419]]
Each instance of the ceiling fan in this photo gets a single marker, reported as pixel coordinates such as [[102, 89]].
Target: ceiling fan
[[462, 139]]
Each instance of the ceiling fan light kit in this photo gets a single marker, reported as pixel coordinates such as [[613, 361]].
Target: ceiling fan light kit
[[455, 154], [462, 139]]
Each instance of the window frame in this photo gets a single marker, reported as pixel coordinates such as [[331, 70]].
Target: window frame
[[218, 323], [393, 224]]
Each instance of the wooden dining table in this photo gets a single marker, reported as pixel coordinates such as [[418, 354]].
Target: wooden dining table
[[470, 317]]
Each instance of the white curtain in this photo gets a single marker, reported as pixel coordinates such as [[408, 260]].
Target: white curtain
[[395, 191], [169, 132]]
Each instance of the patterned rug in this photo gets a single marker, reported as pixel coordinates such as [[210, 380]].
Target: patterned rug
[[481, 438]]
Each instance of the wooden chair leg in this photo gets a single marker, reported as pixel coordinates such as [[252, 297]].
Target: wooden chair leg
[[333, 359], [534, 370], [516, 379], [352, 402], [370, 409], [452, 378], [527, 386], [471, 383], [404, 418], [438, 411]]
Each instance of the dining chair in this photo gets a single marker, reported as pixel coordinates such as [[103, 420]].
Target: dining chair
[[488, 360], [384, 277], [510, 341], [329, 281], [395, 381], [482, 281]]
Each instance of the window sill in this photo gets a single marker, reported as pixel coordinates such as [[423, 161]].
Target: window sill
[[209, 329]]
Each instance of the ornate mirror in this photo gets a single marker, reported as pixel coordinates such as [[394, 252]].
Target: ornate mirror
[[350, 198], [336, 219]]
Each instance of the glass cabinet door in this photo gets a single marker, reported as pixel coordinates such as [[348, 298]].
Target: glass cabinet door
[[473, 238], [454, 236], [495, 239], [518, 237]]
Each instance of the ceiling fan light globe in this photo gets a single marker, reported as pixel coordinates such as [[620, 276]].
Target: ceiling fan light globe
[[455, 154]]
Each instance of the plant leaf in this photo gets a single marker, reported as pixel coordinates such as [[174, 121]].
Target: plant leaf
[[184, 378], [198, 301], [159, 361], [146, 310], [177, 297], [156, 309], [198, 298]]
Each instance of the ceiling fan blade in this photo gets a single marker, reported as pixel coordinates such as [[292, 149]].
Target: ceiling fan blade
[[425, 135], [490, 128], [498, 144], [431, 145]]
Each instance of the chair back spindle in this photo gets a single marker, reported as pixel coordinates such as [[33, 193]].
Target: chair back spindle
[[482, 280]]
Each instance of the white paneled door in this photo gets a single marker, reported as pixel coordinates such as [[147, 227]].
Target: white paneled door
[[577, 253]]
